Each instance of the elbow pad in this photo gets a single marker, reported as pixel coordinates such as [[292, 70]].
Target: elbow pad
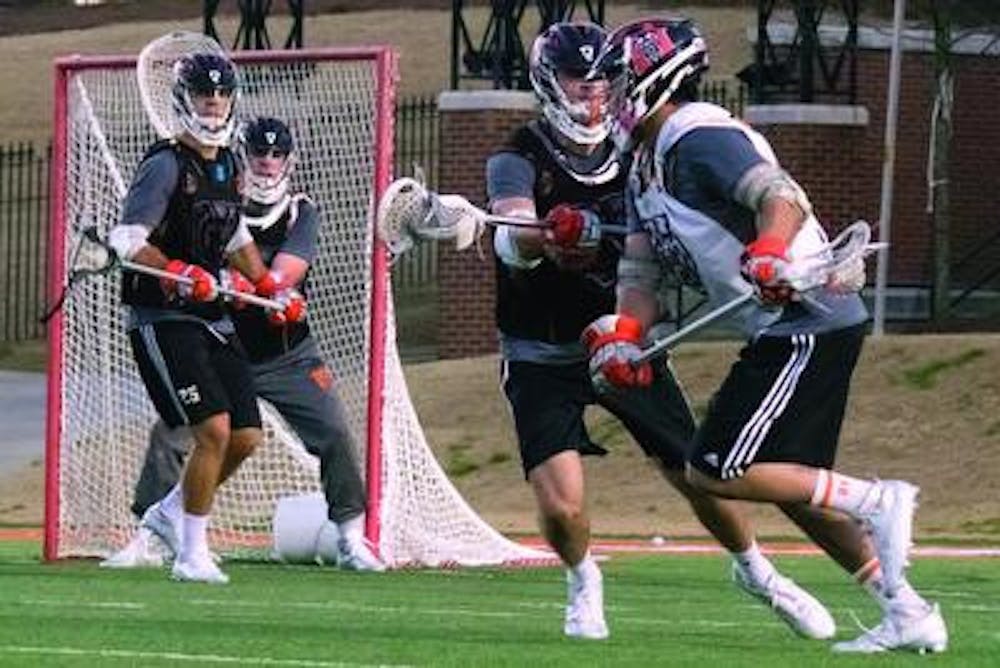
[[127, 240], [639, 274], [766, 181]]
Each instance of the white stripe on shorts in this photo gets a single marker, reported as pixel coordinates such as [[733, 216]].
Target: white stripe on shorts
[[757, 427], [148, 335]]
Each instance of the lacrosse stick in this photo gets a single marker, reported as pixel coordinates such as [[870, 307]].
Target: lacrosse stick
[[92, 256], [409, 213], [835, 263]]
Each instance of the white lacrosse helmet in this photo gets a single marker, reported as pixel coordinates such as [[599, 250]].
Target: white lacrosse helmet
[[570, 50], [205, 74], [265, 136], [649, 62]]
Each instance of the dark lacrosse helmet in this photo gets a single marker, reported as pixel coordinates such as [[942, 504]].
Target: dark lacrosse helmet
[[265, 136], [570, 50], [205, 74]]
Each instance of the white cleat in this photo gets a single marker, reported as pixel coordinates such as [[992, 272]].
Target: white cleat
[[585, 609], [923, 632], [891, 524], [357, 555], [793, 604], [198, 568], [160, 523], [138, 553]]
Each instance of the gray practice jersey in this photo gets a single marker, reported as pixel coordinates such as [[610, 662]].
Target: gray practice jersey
[[147, 204], [682, 196]]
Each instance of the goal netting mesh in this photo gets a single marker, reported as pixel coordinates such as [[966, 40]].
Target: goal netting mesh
[[335, 101]]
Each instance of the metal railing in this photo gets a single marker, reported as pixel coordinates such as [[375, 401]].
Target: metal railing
[[24, 227]]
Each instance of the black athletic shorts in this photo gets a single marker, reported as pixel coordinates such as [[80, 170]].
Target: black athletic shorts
[[548, 402], [783, 401], [192, 372]]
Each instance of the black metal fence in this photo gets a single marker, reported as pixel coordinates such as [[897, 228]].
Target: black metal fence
[[417, 140], [24, 227]]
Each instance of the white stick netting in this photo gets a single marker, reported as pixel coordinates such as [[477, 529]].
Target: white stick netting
[[330, 106]]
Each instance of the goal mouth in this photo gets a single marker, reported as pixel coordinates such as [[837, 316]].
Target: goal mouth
[[99, 415]]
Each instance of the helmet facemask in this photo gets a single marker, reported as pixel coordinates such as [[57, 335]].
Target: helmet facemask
[[647, 63], [197, 78], [261, 145], [574, 104]]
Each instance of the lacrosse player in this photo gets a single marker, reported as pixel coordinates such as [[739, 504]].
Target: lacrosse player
[[707, 198], [551, 283], [182, 215], [287, 368]]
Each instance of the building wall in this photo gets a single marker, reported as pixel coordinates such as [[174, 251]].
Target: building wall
[[839, 164]]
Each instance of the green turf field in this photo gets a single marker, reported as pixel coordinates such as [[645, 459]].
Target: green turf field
[[663, 610]]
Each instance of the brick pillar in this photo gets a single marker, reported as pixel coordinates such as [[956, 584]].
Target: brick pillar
[[473, 125]]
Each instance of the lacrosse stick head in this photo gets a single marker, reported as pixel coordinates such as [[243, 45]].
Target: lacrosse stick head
[[91, 256], [408, 213], [840, 265], [166, 101]]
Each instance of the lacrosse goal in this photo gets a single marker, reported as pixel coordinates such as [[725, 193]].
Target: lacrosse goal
[[339, 104]]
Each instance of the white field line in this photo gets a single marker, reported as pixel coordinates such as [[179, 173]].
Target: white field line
[[645, 547], [539, 608], [191, 658]]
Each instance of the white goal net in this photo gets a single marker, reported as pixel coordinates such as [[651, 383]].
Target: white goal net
[[338, 104]]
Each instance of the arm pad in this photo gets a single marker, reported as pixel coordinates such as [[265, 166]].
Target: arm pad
[[126, 240], [766, 181]]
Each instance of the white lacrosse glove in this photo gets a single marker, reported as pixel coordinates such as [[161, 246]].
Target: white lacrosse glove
[[613, 343]]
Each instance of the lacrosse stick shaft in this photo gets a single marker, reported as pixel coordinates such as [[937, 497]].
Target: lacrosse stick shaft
[[668, 342], [512, 221], [242, 296]]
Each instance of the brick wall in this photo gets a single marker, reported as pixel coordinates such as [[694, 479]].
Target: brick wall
[[473, 125], [839, 165]]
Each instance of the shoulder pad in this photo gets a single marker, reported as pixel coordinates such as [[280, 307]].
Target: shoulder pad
[[298, 199], [160, 145]]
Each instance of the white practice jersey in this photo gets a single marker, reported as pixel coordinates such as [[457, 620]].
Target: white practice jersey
[[699, 241]]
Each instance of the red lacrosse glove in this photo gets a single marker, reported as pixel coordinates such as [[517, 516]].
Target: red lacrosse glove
[[765, 266], [613, 342], [204, 287], [570, 227], [232, 279], [269, 284], [294, 304]]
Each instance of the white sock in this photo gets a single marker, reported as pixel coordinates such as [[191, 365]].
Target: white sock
[[142, 535], [353, 529], [173, 503], [858, 498], [195, 541], [754, 564], [904, 600], [586, 570]]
